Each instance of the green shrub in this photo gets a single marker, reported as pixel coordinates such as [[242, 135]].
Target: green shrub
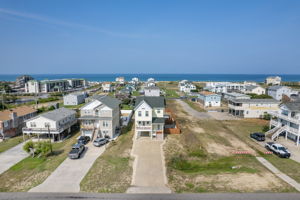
[[39, 148], [27, 146]]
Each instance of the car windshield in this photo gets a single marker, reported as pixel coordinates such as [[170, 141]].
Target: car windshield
[[281, 148]]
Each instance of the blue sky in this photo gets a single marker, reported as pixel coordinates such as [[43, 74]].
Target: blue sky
[[139, 36]]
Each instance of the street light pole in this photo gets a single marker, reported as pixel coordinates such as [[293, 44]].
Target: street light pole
[[48, 126]]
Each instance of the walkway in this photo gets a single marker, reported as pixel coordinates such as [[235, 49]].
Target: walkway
[[192, 112], [67, 177], [11, 157], [149, 167], [278, 173]]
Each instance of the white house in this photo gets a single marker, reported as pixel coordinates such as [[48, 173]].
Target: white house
[[186, 86], [100, 117], [278, 91], [209, 99], [107, 87], [74, 99], [150, 82], [120, 80], [235, 95], [286, 122], [254, 89], [273, 80], [57, 124], [149, 117], [252, 108], [225, 87], [152, 91]]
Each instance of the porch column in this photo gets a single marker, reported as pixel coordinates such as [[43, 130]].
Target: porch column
[[298, 140]]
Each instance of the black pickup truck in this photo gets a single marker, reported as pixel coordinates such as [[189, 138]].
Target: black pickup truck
[[76, 151]]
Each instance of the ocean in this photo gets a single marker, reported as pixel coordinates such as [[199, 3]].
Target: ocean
[[160, 77]]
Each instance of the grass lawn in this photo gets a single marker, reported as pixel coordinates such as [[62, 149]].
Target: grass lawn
[[126, 107], [112, 171], [243, 128], [72, 107], [9, 143], [195, 106], [31, 172], [171, 93], [202, 159], [135, 93]]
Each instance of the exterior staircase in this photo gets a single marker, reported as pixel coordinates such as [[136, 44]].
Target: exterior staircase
[[273, 130], [277, 132]]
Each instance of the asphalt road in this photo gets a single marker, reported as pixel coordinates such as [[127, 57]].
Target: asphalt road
[[204, 196]]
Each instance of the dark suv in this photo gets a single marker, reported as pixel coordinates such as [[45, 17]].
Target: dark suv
[[83, 139], [258, 136]]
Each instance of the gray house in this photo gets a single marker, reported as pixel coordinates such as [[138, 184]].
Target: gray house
[[74, 99], [278, 91], [100, 117]]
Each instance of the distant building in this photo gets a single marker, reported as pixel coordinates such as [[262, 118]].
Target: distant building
[[277, 92], [186, 86], [252, 108], [100, 117], [59, 85], [150, 82], [152, 91], [226, 87], [120, 80], [22, 80], [209, 99], [273, 80], [254, 89], [74, 99], [13, 120], [107, 87], [56, 124]]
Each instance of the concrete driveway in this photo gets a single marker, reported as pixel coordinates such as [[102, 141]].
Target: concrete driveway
[[222, 116], [67, 177], [11, 157], [149, 167]]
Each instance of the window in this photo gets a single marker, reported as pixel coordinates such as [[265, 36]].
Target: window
[[140, 113], [148, 123], [147, 113], [105, 123], [47, 124], [32, 124], [158, 127], [158, 110]]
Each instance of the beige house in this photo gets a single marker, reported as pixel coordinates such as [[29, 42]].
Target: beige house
[[100, 117], [273, 80], [254, 89], [252, 108]]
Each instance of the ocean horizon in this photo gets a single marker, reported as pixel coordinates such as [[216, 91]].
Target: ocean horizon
[[159, 77]]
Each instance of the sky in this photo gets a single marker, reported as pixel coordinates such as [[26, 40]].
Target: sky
[[153, 36]]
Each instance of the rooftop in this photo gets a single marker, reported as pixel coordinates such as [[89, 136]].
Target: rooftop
[[293, 106], [154, 102], [21, 111], [58, 114], [206, 93], [273, 101]]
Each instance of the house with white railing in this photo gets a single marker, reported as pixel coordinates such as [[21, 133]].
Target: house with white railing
[[56, 124], [150, 117], [286, 122]]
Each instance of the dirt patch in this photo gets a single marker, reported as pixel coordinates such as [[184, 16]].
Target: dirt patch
[[220, 149]]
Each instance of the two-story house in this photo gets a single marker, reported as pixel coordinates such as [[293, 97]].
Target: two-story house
[[149, 117], [273, 80], [277, 92], [107, 87], [286, 122], [254, 89], [209, 99], [252, 108], [13, 120], [56, 124], [100, 117], [152, 91]]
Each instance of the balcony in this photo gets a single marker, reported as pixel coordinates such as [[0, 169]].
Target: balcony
[[143, 128], [284, 117], [57, 130]]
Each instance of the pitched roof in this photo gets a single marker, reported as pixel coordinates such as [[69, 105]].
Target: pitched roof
[[107, 100], [251, 87], [293, 106], [158, 120], [21, 111], [58, 114], [276, 87], [152, 88], [154, 102]]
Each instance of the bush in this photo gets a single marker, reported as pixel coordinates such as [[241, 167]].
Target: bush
[[39, 148], [265, 128], [27, 146]]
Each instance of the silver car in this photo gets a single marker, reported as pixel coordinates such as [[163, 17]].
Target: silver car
[[100, 141]]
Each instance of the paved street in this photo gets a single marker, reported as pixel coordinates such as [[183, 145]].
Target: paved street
[[67, 177], [149, 167], [202, 196], [11, 157]]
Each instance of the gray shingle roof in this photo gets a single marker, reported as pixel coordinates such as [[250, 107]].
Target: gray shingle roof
[[250, 87], [154, 102], [58, 114], [158, 120], [275, 87], [152, 88], [107, 100], [293, 106], [254, 101]]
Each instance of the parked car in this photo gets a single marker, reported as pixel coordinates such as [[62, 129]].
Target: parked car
[[83, 139], [76, 151], [258, 136], [278, 149], [100, 141]]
